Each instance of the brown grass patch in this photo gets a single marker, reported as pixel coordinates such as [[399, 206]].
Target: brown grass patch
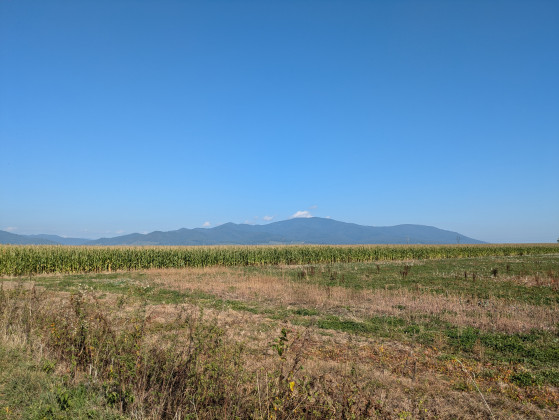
[[392, 379], [491, 314]]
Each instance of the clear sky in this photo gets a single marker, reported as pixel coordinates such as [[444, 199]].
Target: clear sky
[[133, 116]]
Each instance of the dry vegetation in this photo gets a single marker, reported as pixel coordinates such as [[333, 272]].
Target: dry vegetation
[[493, 314], [473, 338]]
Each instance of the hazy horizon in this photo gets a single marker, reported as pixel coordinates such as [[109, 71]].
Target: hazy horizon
[[131, 117], [108, 235]]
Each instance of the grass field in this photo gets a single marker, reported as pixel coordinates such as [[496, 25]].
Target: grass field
[[454, 337]]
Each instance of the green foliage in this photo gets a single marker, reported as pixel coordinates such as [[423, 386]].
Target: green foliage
[[28, 391], [281, 345], [28, 260], [63, 399], [305, 312], [48, 366], [346, 325]]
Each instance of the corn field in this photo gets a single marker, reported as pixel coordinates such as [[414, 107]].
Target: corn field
[[17, 260]]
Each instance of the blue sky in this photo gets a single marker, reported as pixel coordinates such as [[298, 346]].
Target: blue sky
[[133, 116]]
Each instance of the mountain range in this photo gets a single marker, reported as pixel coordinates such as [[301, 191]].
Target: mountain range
[[314, 230]]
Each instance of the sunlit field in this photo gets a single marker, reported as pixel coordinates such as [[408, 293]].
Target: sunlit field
[[395, 332], [27, 260]]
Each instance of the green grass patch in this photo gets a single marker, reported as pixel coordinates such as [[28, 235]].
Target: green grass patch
[[537, 350], [34, 391], [473, 278]]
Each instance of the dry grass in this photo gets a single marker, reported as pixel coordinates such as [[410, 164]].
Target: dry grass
[[549, 279], [343, 374], [491, 314], [397, 379]]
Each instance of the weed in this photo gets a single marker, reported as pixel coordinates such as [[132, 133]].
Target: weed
[[405, 271]]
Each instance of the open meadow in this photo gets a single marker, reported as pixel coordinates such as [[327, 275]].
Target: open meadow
[[388, 332]]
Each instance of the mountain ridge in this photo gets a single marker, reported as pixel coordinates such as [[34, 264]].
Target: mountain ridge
[[314, 230]]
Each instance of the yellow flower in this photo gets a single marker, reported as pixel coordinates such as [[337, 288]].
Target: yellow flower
[[291, 385]]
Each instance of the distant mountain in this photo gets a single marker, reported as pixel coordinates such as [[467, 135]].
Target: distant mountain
[[313, 230], [60, 240], [12, 238]]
